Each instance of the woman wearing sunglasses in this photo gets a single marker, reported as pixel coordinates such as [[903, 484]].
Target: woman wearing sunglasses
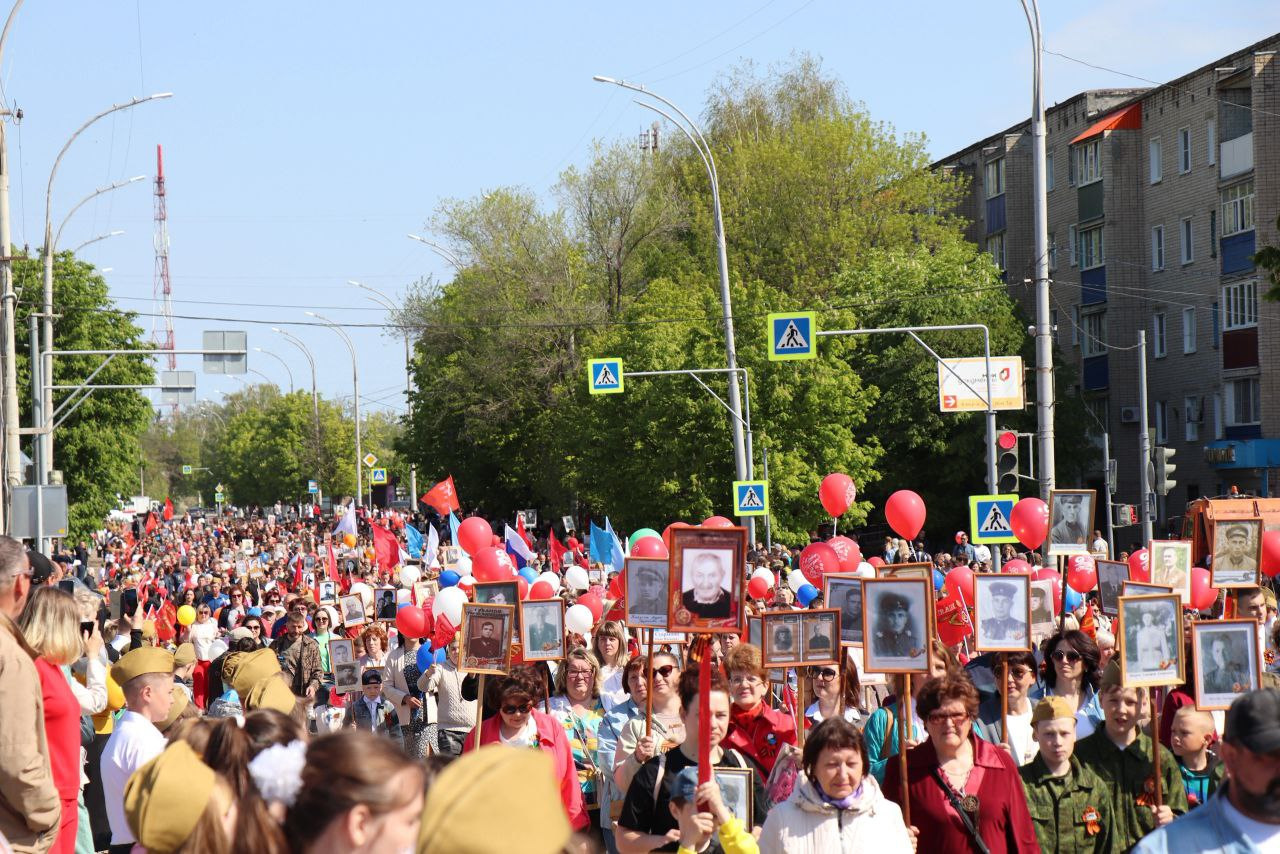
[[837, 693], [518, 723], [634, 747], [1072, 673]]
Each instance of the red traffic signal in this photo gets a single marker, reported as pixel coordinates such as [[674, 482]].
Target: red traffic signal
[[1007, 440]]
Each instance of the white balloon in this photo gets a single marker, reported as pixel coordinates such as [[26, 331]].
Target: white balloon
[[448, 603], [409, 575], [576, 579], [217, 648], [551, 578], [578, 618], [766, 574], [865, 570], [467, 580], [404, 594], [796, 580]]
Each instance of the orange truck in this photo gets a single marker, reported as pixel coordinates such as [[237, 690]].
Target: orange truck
[[1203, 513]]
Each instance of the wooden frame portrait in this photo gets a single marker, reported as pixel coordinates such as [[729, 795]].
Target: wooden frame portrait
[[821, 637], [1070, 521], [343, 665], [781, 633], [486, 638], [1237, 552], [1112, 574], [843, 592], [542, 629], [705, 583], [384, 603], [896, 625], [1170, 565], [501, 593], [1143, 588], [352, 609], [1227, 663], [1002, 612], [328, 592], [424, 590], [736, 791], [905, 570], [1044, 620], [646, 581], [450, 556], [1151, 652], [755, 637]]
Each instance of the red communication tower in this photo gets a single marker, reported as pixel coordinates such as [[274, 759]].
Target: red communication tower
[[161, 291]]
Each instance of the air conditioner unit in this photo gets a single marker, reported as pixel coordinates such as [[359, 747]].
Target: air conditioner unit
[[1128, 415]]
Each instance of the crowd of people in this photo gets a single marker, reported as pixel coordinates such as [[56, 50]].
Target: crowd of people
[[191, 685]]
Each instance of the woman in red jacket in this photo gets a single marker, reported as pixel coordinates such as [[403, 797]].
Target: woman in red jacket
[[519, 724], [755, 728], [958, 785], [51, 625]]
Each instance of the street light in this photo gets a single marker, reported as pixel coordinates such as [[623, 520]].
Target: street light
[[12, 474], [57, 238], [355, 384], [439, 250], [116, 233], [282, 362], [743, 465], [315, 398]]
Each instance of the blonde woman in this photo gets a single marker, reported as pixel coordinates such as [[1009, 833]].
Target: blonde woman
[[576, 705], [610, 646]]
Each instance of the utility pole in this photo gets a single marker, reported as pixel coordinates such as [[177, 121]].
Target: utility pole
[[1144, 440], [12, 474]]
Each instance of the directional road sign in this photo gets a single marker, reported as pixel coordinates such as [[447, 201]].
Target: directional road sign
[[792, 335], [313, 487], [604, 376], [186, 469], [370, 460], [989, 518], [750, 497], [378, 476]]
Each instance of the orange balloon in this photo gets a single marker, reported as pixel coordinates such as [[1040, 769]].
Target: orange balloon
[[349, 539]]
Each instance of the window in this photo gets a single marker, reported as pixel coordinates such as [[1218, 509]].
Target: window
[[1071, 244], [993, 178], [1048, 171], [1101, 409], [1244, 402], [1188, 330], [1075, 326], [1159, 341], [1187, 241], [1088, 157], [1053, 251], [1193, 409], [1154, 168], [995, 246], [1090, 251], [1240, 305], [1237, 208], [1184, 150], [1162, 421], [1094, 338], [1157, 248], [1211, 136]]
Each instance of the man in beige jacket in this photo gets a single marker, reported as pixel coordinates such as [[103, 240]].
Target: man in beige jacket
[[29, 804]]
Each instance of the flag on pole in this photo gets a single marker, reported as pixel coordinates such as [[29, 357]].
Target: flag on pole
[[443, 497], [617, 557], [599, 548], [433, 547], [151, 522], [347, 525], [413, 539], [517, 547], [386, 548], [333, 563], [520, 529], [556, 552], [168, 508], [453, 528]]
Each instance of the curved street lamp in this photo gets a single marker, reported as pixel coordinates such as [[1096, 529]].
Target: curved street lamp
[[355, 383]]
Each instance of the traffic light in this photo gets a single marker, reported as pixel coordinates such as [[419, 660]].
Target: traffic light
[[1164, 470], [1007, 462]]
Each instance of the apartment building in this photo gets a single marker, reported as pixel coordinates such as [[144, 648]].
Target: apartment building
[[1157, 200]]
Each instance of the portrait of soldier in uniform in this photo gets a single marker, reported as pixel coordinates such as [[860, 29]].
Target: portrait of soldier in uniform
[[896, 624], [1003, 611], [1070, 521], [1236, 547], [646, 586]]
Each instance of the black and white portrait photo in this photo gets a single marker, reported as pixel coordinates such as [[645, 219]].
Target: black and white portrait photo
[[704, 588], [352, 611], [821, 637], [1002, 612], [501, 593], [1043, 621], [646, 586], [328, 592], [1112, 574], [1170, 565], [542, 622], [486, 638], [1070, 521], [1227, 663], [844, 593], [1237, 552], [782, 631], [385, 597], [895, 623], [736, 790], [1152, 646]]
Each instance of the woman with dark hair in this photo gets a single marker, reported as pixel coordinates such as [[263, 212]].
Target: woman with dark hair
[[1022, 678], [837, 693], [837, 806], [1071, 672], [960, 788]]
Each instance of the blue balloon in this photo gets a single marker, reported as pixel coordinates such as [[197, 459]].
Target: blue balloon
[[1072, 599], [402, 605], [939, 579], [439, 656], [449, 578], [806, 594], [528, 575], [425, 657], [254, 612]]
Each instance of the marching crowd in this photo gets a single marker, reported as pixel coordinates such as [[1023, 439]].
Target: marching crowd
[[177, 690]]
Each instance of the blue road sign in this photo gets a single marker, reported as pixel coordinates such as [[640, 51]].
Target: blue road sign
[[792, 335], [989, 518], [604, 376], [750, 497]]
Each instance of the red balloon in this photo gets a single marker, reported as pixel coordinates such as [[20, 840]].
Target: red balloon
[[1082, 573], [492, 564], [618, 587], [1271, 553], [523, 587], [1138, 570], [1029, 520], [593, 603], [905, 513], [467, 587], [1203, 593], [837, 493], [716, 522], [541, 590], [876, 560], [495, 540], [474, 534], [411, 622], [848, 551], [649, 547], [1045, 573], [572, 543], [758, 588], [1015, 565], [666, 532], [960, 580], [817, 560]]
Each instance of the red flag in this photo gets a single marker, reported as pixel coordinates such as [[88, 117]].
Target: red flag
[[168, 509], [444, 632], [333, 562], [952, 619], [524, 535], [556, 552], [297, 573], [443, 497], [151, 522], [386, 548]]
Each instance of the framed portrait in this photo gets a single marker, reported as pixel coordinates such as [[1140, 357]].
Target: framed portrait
[[895, 623], [736, 790], [905, 570], [1043, 620], [352, 608], [309, 562], [350, 565], [1237, 552], [486, 638], [346, 677], [1142, 588], [755, 637], [1070, 520], [1002, 612], [645, 581], [1112, 574], [424, 590], [501, 593], [328, 592], [1170, 565], [1227, 663], [781, 633], [821, 636], [704, 587], [595, 576], [450, 557], [1151, 653], [341, 651], [844, 593], [542, 627], [384, 599]]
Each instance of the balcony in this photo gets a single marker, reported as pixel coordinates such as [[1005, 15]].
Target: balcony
[[1237, 252], [1235, 156]]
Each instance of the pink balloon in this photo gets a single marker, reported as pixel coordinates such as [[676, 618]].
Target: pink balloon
[[876, 561], [1082, 573], [1015, 565], [905, 513], [1029, 520], [837, 493], [593, 603], [474, 534], [1271, 553], [848, 551], [1138, 570], [716, 522], [817, 560], [1203, 593], [960, 579], [666, 532], [649, 547]]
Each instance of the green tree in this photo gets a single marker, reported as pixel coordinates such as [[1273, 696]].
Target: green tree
[[1268, 259]]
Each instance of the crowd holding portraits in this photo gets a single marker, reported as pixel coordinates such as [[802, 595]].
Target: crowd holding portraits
[[1152, 653], [705, 585]]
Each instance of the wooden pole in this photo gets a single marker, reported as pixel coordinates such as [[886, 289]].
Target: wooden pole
[[475, 745], [904, 727], [546, 696], [648, 700], [1004, 707], [1155, 748], [1062, 580], [800, 707]]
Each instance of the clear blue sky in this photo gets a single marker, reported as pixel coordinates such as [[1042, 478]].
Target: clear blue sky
[[306, 139]]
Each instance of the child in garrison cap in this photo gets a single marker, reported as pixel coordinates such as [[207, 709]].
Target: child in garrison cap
[[1069, 805]]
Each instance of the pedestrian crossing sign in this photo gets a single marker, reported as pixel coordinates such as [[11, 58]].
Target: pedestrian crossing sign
[[791, 336], [750, 497], [989, 518], [378, 476], [604, 376]]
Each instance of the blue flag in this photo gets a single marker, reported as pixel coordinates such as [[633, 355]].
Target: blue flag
[[600, 550], [453, 527], [413, 539], [617, 557]]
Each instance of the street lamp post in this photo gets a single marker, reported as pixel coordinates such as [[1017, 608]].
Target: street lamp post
[[355, 390], [315, 397], [282, 362], [92, 240], [12, 473], [439, 250]]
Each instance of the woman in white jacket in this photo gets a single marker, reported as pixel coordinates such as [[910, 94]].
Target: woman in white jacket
[[836, 806]]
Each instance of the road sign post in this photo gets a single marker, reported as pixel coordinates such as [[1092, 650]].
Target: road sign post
[[989, 519], [378, 476], [750, 498]]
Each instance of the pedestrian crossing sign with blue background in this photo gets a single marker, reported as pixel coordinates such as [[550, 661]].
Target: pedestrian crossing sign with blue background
[[750, 497], [379, 476], [604, 376], [792, 336], [989, 518]]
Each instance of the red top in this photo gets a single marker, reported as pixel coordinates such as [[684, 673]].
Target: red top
[[1003, 819], [61, 729], [760, 733]]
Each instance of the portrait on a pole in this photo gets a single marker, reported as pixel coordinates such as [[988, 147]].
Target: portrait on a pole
[[844, 593], [501, 593], [1237, 552], [1227, 663], [646, 586], [542, 623], [895, 624], [1070, 521], [1002, 612], [486, 638], [821, 637], [1112, 574], [782, 636], [704, 588], [1170, 565], [1151, 650]]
